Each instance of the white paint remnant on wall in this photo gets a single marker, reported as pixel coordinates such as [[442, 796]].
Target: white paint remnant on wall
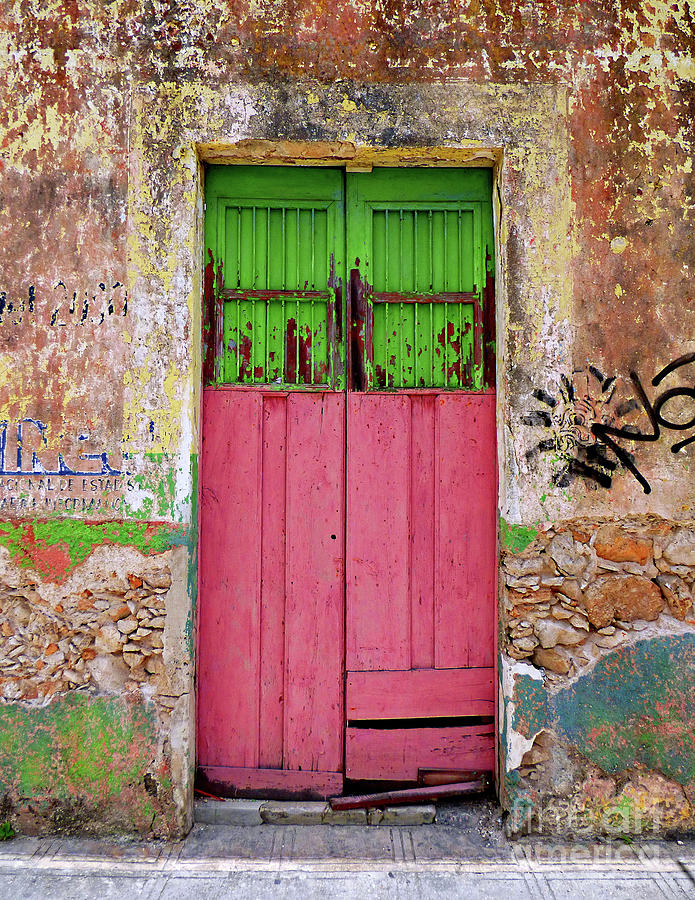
[[516, 743]]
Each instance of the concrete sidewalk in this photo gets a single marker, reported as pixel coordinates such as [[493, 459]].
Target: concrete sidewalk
[[288, 861]]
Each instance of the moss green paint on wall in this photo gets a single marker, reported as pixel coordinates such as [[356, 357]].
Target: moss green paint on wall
[[87, 751], [193, 561], [516, 537], [55, 547]]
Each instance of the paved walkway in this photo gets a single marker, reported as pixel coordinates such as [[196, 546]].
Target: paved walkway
[[289, 861]]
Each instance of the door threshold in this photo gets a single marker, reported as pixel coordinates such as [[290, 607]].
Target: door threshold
[[208, 811], [447, 810]]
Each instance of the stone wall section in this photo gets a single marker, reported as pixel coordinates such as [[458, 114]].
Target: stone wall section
[[117, 630], [102, 634], [587, 597], [99, 638], [583, 588]]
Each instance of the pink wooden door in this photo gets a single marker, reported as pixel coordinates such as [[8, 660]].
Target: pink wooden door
[[421, 568], [421, 475], [308, 673], [270, 679]]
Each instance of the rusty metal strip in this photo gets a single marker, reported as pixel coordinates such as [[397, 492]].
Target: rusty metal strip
[[410, 795], [272, 295], [395, 297]]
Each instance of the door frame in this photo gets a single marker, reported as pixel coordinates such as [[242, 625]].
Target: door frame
[[361, 159]]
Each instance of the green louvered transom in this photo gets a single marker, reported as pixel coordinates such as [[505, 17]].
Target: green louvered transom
[[422, 237], [280, 233], [419, 251], [424, 333]]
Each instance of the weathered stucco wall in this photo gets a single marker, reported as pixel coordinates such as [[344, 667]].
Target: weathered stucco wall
[[586, 112]]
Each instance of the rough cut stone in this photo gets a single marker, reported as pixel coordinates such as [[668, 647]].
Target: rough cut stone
[[127, 626], [108, 639], [559, 612], [526, 643], [120, 612], [609, 641], [293, 812], [345, 817], [158, 578], [566, 555], [551, 632], [608, 566], [649, 570], [678, 595], [570, 588], [132, 659], [680, 550], [626, 597], [550, 659], [520, 584], [228, 812], [522, 632], [409, 815], [520, 567], [617, 545]]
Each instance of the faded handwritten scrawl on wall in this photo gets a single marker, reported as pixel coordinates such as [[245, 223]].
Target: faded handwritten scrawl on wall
[[30, 482], [79, 307]]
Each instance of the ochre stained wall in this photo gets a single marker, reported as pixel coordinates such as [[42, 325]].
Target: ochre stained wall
[[110, 111]]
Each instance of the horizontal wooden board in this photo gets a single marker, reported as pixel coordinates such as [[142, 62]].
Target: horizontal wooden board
[[420, 693], [233, 781], [397, 754]]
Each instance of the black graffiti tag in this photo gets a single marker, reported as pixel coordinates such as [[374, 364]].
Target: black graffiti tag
[[606, 433]]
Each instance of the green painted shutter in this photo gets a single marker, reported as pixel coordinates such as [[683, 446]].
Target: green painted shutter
[[421, 240], [278, 234], [420, 250]]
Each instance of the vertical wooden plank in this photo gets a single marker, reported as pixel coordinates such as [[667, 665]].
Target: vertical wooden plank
[[378, 522], [422, 530], [272, 619], [230, 527], [314, 620], [465, 579]]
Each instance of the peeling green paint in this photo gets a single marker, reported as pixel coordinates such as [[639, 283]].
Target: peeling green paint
[[193, 563], [516, 537], [55, 547]]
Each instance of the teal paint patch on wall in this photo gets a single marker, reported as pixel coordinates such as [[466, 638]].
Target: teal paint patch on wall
[[637, 706], [531, 712]]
